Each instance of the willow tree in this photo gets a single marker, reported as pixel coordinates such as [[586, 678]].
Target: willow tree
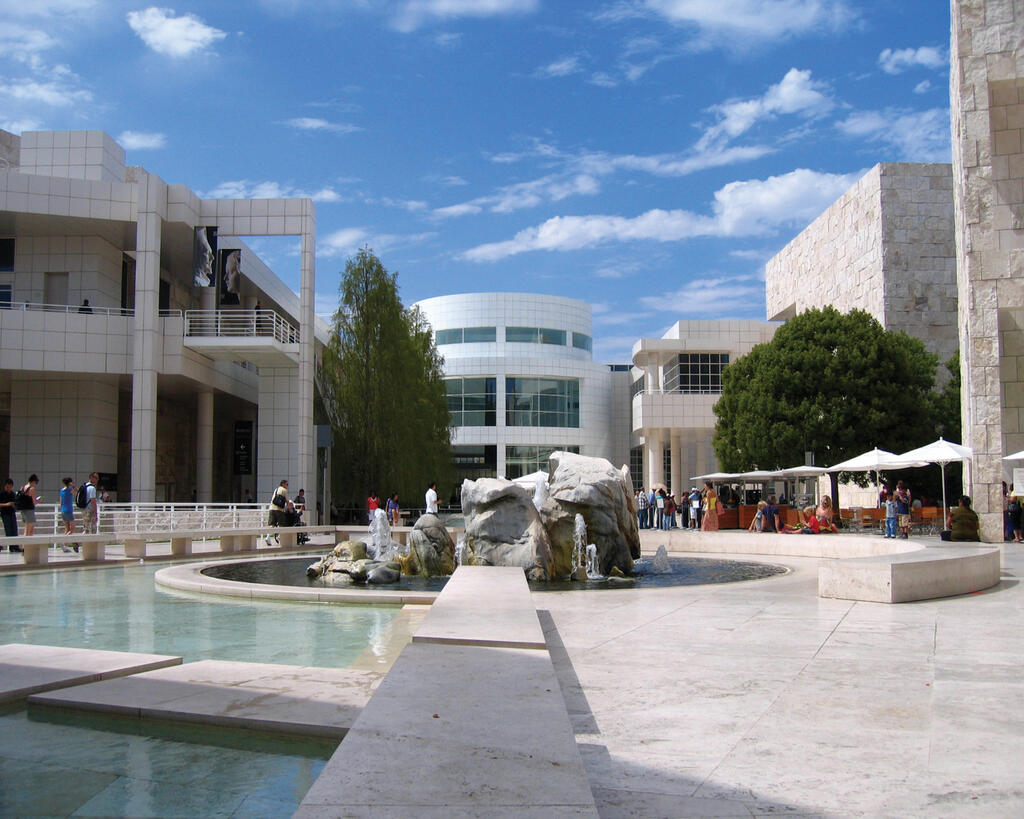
[[385, 385], [830, 383]]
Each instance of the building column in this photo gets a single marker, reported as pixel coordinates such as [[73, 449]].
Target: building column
[[676, 482], [204, 446], [306, 472], [148, 233], [654, 457]]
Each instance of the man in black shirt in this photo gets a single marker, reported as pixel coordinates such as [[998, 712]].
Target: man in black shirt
[[7, 513]]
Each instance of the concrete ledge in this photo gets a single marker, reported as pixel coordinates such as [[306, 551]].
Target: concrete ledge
[[740, 541], [30, 669], [484, 606], [935, 571], [458, 731]]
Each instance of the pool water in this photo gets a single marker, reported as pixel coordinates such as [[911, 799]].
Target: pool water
[[59, 764]]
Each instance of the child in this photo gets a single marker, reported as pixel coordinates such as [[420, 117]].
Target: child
[[758, 521], [890, 515]]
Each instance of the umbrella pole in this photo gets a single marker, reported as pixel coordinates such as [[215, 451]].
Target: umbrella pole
[[942, 468]]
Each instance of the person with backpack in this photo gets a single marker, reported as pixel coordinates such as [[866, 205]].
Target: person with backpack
[[25, 502], [67, 510], [85, 499], [278, 509]]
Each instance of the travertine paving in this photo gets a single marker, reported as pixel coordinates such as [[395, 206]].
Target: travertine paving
[[761, 698]]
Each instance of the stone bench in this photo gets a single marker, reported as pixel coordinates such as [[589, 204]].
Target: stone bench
[[461, 725], [935, 571], [36, 548]]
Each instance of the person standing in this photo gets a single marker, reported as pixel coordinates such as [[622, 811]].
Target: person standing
[[891, 522], [1016, 515], [394, 513], [278, 509], [28, 504], [67, 509], [90, 514], [652, 504], [431, 498], [902, 498], [670, 512], [641, 508], [7, 512], [659, 505], [709, 522], [695, 515], [372, 505]]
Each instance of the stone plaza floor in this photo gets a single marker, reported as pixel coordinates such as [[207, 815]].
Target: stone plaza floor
[[761, 698]]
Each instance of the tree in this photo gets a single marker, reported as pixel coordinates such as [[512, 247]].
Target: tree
[[383, 379], [829, 383]]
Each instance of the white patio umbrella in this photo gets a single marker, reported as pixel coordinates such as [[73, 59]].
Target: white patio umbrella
[[875, 460], [939, 452], [715, 476]]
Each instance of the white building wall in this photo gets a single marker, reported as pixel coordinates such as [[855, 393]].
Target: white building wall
[[276, 450]]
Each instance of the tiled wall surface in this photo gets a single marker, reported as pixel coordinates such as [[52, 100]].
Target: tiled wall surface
[[72, 154]]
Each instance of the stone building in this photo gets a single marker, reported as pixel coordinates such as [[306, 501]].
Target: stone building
[[987, 109], [886, 247]]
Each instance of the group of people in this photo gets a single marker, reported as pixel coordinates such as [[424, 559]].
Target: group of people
[[1013, 514], [23, 502], [697, 509], [394, 511], [285, 511]]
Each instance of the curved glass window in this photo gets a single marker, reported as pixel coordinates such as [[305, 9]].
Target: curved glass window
[[542, 402], [472, 401], [522, 460], [581, 341], [535, 335], [466, 335], [696, 373]]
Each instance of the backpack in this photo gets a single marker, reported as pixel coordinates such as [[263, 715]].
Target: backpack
[[23, 501], [82, 496]]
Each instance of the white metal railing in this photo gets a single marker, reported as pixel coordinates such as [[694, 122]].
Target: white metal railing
[[677, 391], [66, 308], [156, 517], [250, 323]]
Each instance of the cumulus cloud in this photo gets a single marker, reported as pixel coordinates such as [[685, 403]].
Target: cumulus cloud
[[552, 188], [322, 125], [412, 14], [744, 208], [173, 36], [923, 87], [727, 21], [246, 189], [45, 8], [710, 296], [347, 241], [896, 61], [560, 68], [57, 92], [914, 136], [23, 43], [140, 141], [17, 126]]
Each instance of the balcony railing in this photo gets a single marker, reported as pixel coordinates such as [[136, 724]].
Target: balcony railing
[[239, 323], [158, 517], [78, 309]]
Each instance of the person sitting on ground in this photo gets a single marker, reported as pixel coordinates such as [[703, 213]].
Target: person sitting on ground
[[825, 510], [758, 523], [964, 521]]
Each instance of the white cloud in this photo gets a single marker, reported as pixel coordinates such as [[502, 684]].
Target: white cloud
[[23, 43], [44, 8], [347, 241], [173, 36], [54, 93], [916, 136], [899, 60], [795, 93], [923, 87], [139, 141], [709, 296], [414, 13], [744, 208], [245, 189], [317, 124], [730, 21], [552, 188], [561, 68], [17, 126], [411, 205]]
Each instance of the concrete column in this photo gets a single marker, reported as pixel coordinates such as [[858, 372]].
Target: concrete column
[[676, 482], [306, 445], [277, 425], [986, 94], [151, 209], [204, 447], [654, 458]]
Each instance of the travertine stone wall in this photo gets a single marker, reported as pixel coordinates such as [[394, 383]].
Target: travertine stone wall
[[987, 111], [885, 246]]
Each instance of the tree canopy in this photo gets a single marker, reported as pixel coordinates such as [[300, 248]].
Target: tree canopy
[[830, 383], [384, 381]]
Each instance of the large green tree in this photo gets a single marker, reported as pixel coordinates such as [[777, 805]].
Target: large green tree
[[830, 383], [384, 385]]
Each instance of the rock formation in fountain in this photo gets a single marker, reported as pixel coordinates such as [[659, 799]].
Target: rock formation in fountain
[[592, 487], [347, 563], [431, 549], [503, 528]]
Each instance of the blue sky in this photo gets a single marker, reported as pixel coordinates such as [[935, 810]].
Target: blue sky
[[647, 156]]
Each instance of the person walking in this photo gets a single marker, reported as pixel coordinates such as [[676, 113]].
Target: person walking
[[90, 514], [8, 513], [278, 509], [430, 498], [29, 499], [67, 510]]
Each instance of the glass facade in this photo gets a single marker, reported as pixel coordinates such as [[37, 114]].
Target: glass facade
[[581, 341], [466, 335], [475, 461], [696, 373], [535, 335], [638, 386], [522, 460], [542, 402], [472, 401], [636, 467]]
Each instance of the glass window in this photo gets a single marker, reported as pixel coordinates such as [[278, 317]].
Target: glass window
[[581, 341], [522, 460], [636, 467], [472, 402], [449, 336], [5, 296], [638, 386], [549, 336], [542, 402], [476, 334], [6, 255], [696, 373], [530, 335], [475, 461]]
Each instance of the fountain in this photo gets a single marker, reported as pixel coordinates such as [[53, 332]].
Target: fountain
[[593, 573], [382, 547], [579, 541], [661, 562], [460, 547]]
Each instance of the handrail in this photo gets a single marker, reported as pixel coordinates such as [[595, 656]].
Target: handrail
[[77, 309], [239, 323], [667, 391], [156, 517]]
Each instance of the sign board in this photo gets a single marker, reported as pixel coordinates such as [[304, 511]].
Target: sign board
[[1018, 480], [243, 448]]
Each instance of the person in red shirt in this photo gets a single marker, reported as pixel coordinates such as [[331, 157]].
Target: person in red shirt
[[372, 504]]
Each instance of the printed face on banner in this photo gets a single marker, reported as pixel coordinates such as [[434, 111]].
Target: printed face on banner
[[231, 276], [204, 248]]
